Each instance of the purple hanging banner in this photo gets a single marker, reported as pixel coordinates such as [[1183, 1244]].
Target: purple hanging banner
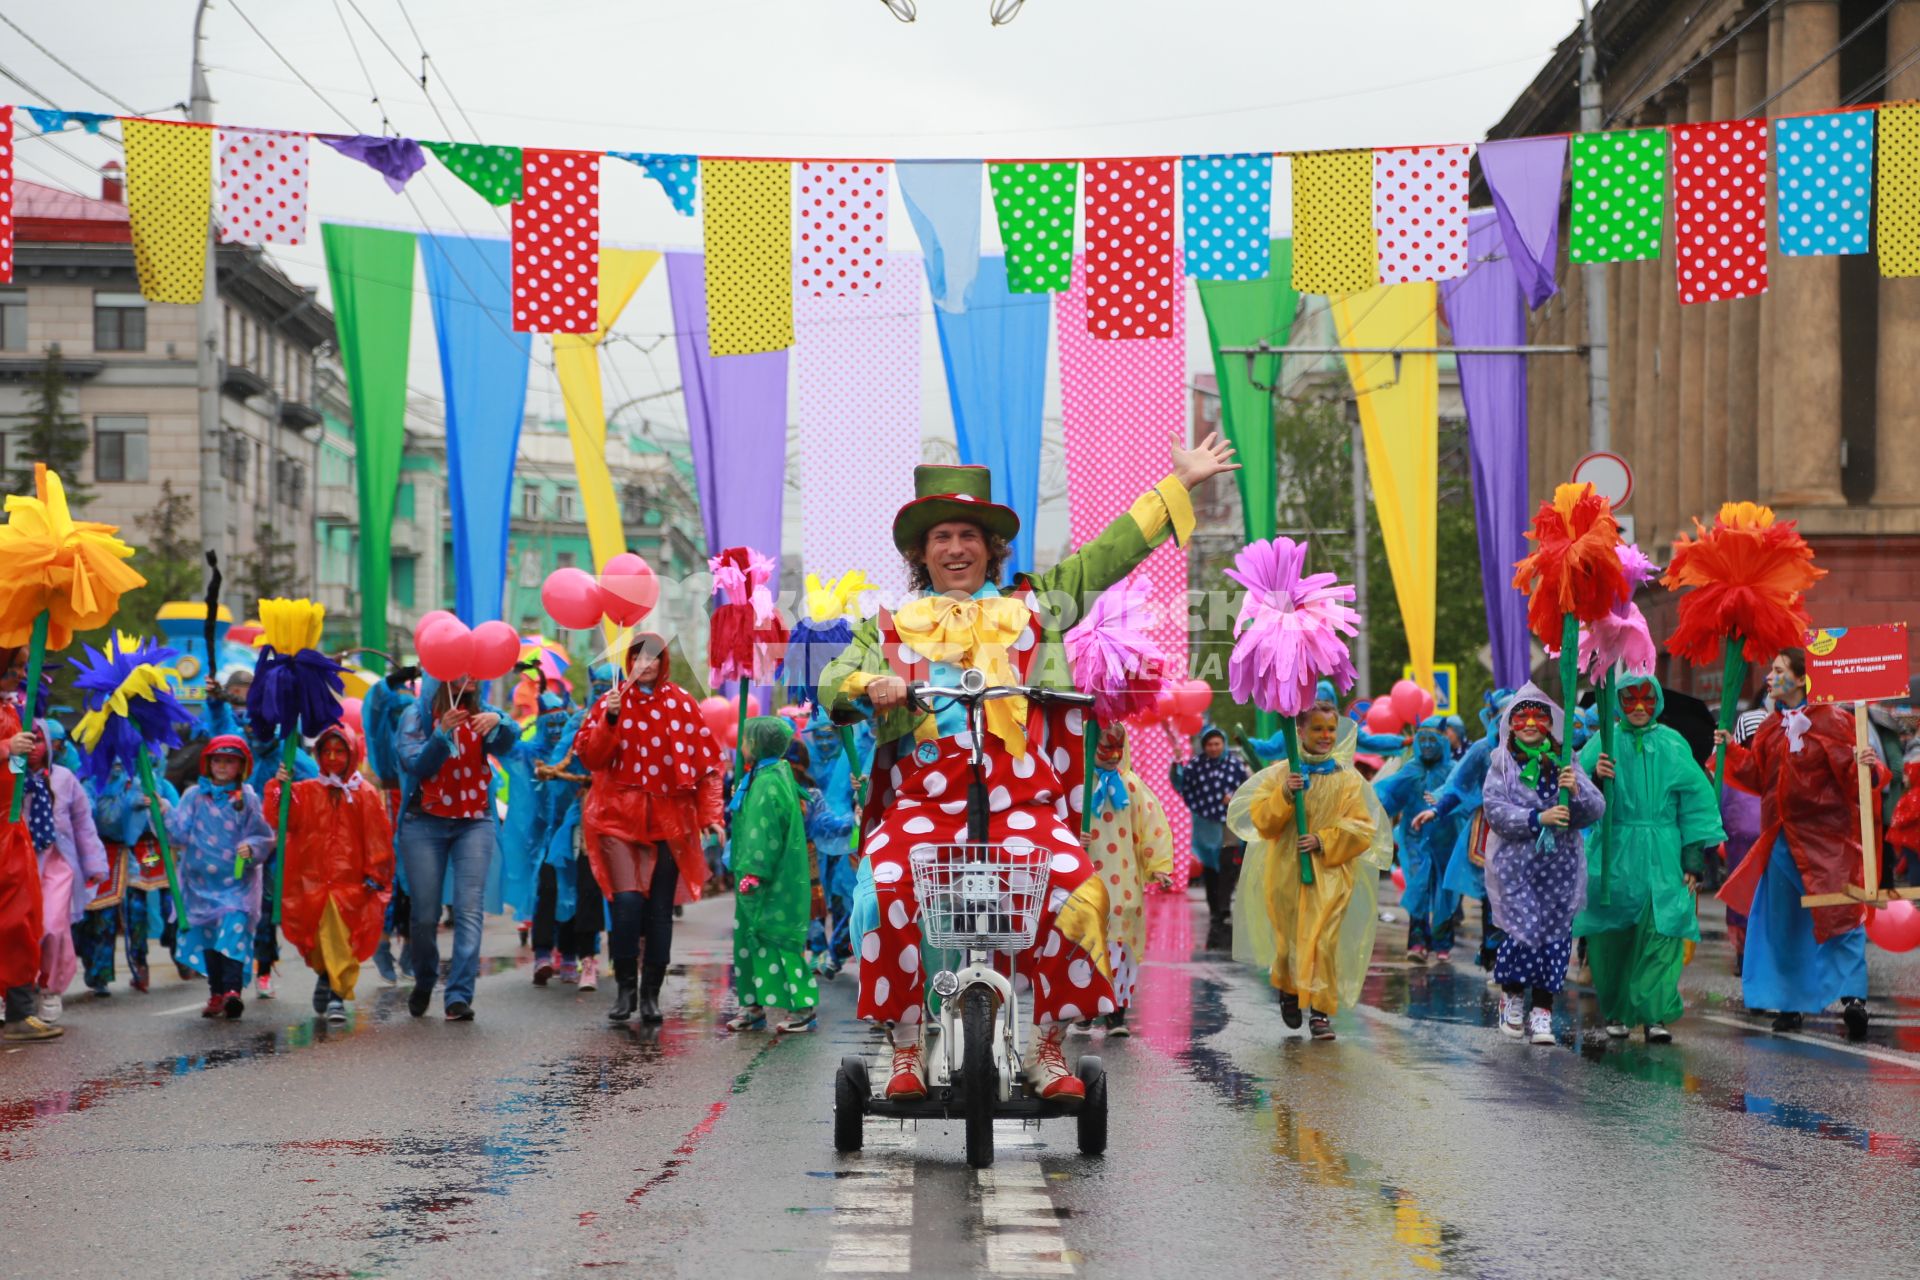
[[737, 417], [1524, 176], [1485, 309]]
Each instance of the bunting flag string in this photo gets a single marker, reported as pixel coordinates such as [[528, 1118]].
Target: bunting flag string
[[1896, 228], [1034, 203], [843, 229], [1227, 203], [1130, 273], [263, 186], [494, 173], [395, 159], [1523, 176], [1824, 180], [678, 176], [1333, 245], [556, 243], [1420, 212], [1619, 195], [1720, 209], [169, 200], [748, 232], [6, 194]]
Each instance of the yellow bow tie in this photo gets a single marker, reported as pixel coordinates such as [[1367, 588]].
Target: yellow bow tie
[[978, 634]]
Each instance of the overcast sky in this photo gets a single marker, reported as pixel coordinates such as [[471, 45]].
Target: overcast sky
[[791, 78]]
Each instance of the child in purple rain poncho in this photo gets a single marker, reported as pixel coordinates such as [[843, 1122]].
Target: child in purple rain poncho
[[221, 838], [1536, 859]]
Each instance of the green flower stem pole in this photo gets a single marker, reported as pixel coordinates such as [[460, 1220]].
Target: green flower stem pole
[[1569, 686], [1086, 785], [859, 782], [1733, 675], [1292, 733], [1609, 694], [158, 821], [740, 736], [36, 656], [287, 754]]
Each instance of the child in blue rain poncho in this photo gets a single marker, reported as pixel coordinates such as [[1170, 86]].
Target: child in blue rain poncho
[[1405, 794], [548, 882], [1459, 801], [122, 907], [830, 824], [221, 840]]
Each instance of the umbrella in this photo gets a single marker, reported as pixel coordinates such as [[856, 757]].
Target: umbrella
[[551, 657], [1693, 719]]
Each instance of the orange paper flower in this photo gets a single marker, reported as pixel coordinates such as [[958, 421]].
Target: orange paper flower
[[1748, 575], [1574, 567], [73, 570]]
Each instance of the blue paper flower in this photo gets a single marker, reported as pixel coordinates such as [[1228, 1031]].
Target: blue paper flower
[[130, 703]]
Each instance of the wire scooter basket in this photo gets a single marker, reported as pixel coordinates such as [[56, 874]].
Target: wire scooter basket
[[980, 896]]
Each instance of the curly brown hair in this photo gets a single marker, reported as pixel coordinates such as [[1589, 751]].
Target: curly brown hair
[[998, 549]]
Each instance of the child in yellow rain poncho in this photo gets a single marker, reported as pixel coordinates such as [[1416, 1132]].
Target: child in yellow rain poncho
[[1314, 940], [1130, 846]]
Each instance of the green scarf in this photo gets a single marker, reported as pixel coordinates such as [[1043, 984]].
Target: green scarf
[[1533, 757]]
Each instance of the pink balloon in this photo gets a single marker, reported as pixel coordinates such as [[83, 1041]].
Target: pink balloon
[[728, 733], [1382, 718], [1895, 927], [628, 588], [717, 711], [1189, 723], [446, 650], [1427, 704], [797, 714], [350, 715], [429, 618], [496, 647], [1406, 701], [1193, 697], [1165, 707], [1399, 878], [572, 599]]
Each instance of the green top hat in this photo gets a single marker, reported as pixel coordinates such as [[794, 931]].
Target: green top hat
[[942, 493]]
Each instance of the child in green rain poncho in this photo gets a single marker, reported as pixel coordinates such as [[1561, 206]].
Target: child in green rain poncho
[[775, 885], [1664, 813]]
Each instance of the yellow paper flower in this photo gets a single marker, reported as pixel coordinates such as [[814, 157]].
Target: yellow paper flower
[[144, 681], [291, 625], [73, 570], [837, 597]]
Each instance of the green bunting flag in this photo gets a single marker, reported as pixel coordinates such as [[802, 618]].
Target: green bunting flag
[[494, 172], [1034, 203], [1619, 195]]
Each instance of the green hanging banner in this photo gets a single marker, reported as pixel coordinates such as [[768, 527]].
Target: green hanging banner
[[371, 272], [1241, 313], [493, 172]]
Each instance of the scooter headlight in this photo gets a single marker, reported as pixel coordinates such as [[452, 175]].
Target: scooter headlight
[[946, 984]]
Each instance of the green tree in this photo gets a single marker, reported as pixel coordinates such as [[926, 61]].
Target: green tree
[[268, 571], [168, 556], [49, 434]]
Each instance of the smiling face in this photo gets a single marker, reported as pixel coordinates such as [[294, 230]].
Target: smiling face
[[1531, 723], [1318, 730], [1788, 686], [334, 758], [224, 768], [956, 556]]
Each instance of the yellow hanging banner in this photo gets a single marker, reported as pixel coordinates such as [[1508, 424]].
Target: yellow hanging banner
[[170, 203], [1399, 403]]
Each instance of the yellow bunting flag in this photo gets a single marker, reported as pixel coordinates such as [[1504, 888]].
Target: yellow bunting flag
[[1399, 403], [1897, 196], [1333, 243], [749, 243], [170, 202]]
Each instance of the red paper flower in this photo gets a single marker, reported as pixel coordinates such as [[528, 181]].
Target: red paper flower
[[1748, 575], [1574, 567]]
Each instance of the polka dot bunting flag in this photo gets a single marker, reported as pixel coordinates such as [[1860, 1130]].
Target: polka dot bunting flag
[[6, 194], [1720, 209], [169, 200], [1227, 203], [1130, 275], [494, 172], [1333, 241], [1824, 181], [1034, 203], [263, 186], [843, 228], [1897, 212], [1420, 212], [556, 243], [1619, 195], [748, 234]]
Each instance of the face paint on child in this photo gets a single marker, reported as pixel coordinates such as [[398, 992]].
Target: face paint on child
[[1531, 724], [1638, 704], [1319, 730], [334, 758]]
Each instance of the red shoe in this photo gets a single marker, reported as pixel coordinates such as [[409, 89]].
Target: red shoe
[[908, 1084], [140, 979], [233, 1005], [216, 1006], [1047, 1073]]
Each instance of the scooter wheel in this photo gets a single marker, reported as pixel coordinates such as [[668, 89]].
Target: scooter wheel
[[850, 1106], [979, 1081], [1092, 1118]]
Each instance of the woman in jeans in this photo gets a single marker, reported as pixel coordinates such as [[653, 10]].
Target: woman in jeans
[[447, 821], [656, 789]]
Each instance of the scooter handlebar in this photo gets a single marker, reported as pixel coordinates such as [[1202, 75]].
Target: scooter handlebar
[[922, 694]]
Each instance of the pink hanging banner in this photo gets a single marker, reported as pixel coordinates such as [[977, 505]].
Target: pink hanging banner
[[556, 243], [1129, 257], [841, 228], [1122, 405], [1420, 212], [263, 186], [857, 372], [1720, 209], [6, 194]]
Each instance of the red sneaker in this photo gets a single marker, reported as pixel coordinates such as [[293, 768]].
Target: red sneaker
[[215, 1006], [1047, 1073], [908, 1084]]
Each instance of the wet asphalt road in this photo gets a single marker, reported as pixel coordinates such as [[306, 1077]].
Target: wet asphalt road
[[537, 1141]]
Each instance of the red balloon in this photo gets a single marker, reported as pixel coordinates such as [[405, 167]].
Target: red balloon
[[1382, 718], [1192, 697], [1399, 878], [572, 599], [496, 647], [446, 650], [1895, 927], [718, 712], [1427, 704], [1406, 701], [628, 588], [428, 619], [1165, 707], [1189, 723]]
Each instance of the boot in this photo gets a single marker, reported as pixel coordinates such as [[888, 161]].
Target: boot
[[650, 994], [627, 990]]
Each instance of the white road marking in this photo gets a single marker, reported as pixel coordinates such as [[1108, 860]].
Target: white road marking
[[1016, 1206], [1906, 1060], [185, 1008]]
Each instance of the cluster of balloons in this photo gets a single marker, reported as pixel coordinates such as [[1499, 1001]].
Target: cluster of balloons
[[450, 651], [1895, 927], [1401, 709], [1182, 704], [723, 719], [624, 593]]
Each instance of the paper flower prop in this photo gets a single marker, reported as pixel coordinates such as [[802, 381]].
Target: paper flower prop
[[1748, 574], [1621, 637], [1111, 655], [1288, 634], [745, 634], [296, 688], [1575, 568], [824, 629], [130, 703], [74, 571]]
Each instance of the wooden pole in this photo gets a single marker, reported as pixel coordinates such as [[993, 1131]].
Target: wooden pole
[[1869, 855]]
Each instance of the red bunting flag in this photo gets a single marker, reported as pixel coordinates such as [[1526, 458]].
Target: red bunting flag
[[1129, 233], [1720, 209], [6, 194], [556, 243]]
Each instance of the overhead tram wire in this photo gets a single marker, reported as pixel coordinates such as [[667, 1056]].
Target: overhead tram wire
[[69, 68], [1822, 60], [1624, 112]]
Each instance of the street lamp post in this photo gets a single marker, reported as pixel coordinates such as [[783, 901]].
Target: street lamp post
[[213, 496]]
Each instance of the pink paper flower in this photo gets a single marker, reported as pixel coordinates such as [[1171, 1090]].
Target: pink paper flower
[[1639, 570], [1614, 638], [1287, 637], [1112, 657]]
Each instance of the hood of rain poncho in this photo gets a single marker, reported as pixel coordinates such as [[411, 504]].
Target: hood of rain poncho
[[1502, 760], [766, 738], [823, 744], [1496, 702], [1432, 730], [351, 741], [226, 744], [550, 725], [1253, 940]]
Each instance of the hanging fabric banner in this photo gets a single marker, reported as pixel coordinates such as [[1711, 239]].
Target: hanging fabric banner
[[1896, 212], [857, 379], [1241, 313], [1130, 272], [1619, 195], [843, 228], [1333, 248], [556, 243], [1227, 210], [748, 231], [6, 194], [395, 159], [678, 176], [1824, 177], [1485, 308], [1420, 212], [483, 375], [1523, 175], [494, 173], [943, 203], [736, 415], [576, 363], [1720, 209], [169, 201], [1034, 205], [1400, 423], [1121, 403], [995, 353], [263, 186], [50, 120], [371, 274]]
